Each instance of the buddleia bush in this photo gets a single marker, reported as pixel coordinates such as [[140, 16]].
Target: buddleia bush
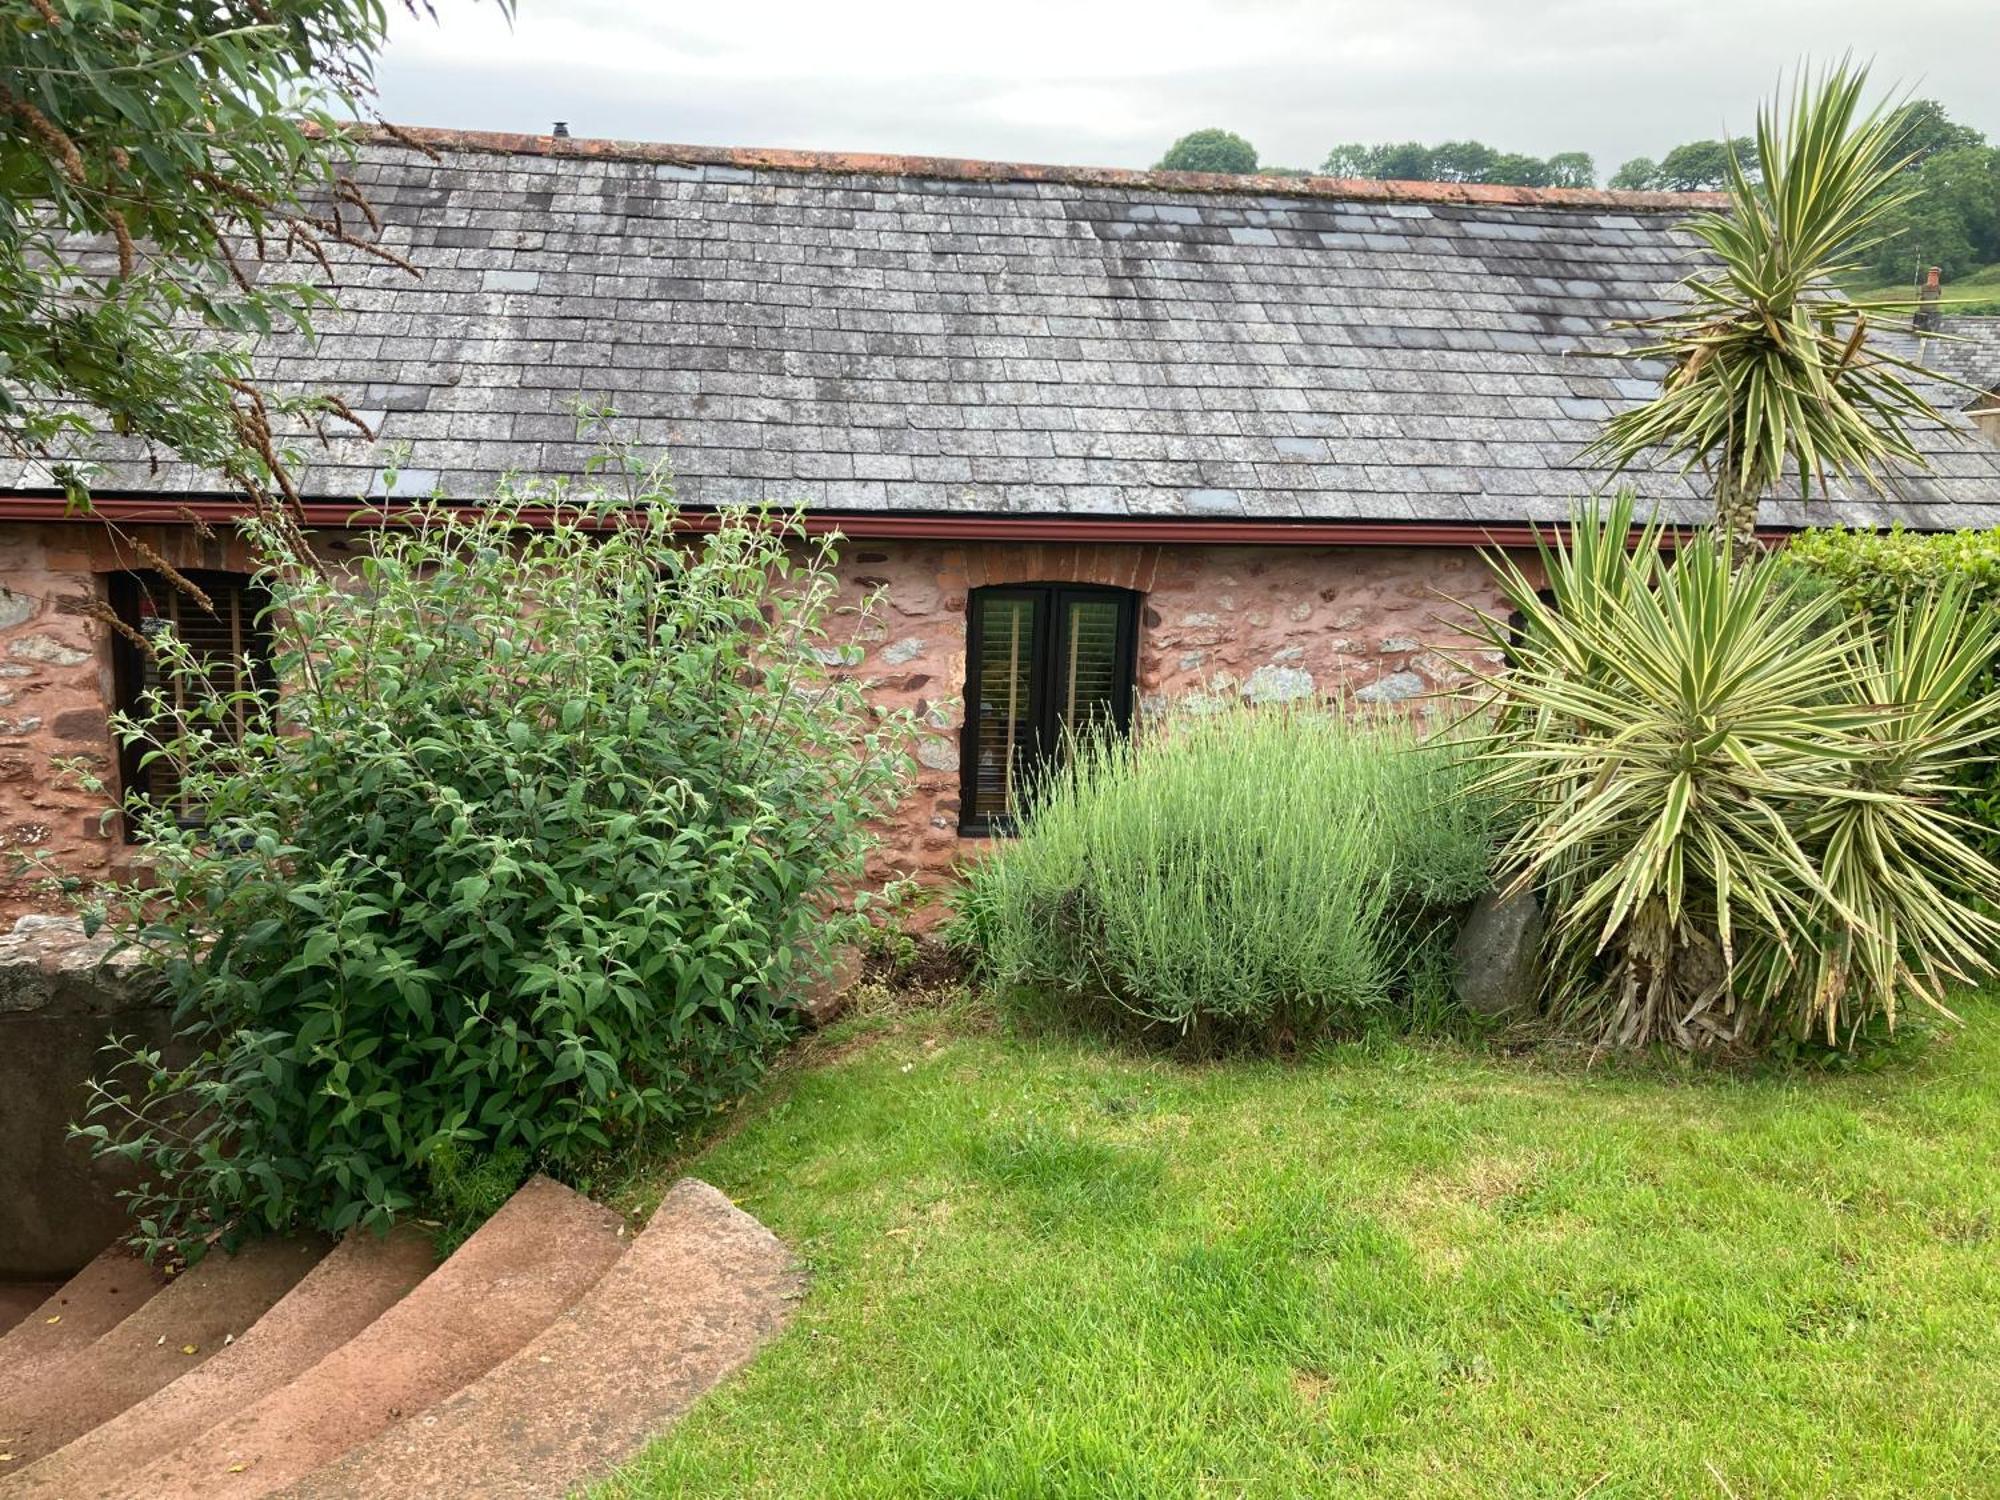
[[1260, 876], [1734, 797], [533, 849]]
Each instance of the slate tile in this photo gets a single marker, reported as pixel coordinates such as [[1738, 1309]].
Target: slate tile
[[1130, 347]]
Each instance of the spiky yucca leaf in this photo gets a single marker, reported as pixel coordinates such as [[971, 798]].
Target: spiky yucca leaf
[[1891, 852], [1731, 800], [1768, 365]]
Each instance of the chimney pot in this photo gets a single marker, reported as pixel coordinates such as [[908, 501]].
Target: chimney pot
[[1926, 319], [562, 128]]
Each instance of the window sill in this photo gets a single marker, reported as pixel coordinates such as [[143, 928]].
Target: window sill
[[987, 828]]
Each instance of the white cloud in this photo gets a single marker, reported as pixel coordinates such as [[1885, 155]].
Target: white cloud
[[1113, 81]]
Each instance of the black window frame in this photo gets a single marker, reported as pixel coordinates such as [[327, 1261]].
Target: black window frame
[[1049, 602], [1517, 626], [128, 664]]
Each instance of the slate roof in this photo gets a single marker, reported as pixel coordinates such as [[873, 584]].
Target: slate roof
[[872, 333], [1969, 351]]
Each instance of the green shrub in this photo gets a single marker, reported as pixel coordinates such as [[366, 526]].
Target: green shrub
[[1256, 875], [528, 855], [1732, 795], [1881, 574], [465, 1190]]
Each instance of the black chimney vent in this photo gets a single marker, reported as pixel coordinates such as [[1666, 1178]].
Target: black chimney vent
[[562, 128]]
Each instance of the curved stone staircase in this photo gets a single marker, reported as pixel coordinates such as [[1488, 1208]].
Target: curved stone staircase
[[543, 1352]]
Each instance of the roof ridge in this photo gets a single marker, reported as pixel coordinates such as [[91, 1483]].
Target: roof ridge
[[958, 169]]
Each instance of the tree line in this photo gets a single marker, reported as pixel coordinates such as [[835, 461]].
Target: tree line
[[1953, 220]]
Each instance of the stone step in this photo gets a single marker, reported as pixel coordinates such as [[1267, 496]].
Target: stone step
[[518, 1272], [184, 1324], [19, 1298], [83, 1309], [703, 1286], [358, 1280]]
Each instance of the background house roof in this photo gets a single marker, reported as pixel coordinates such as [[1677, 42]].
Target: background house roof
[[1968, 351], [874, 333]]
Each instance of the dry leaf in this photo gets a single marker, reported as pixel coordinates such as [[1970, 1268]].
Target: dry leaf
[[56, 1319], [189, 1349]]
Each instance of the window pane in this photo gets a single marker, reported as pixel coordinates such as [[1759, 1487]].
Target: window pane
[[220, 641], [1004, 736], [1089, 667]]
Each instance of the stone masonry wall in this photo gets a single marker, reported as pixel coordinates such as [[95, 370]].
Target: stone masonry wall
[[55, 691], [1264, 623], [1268, 624]]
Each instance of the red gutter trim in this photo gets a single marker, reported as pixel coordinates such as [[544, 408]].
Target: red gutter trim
[[958, 169], [888, 525]]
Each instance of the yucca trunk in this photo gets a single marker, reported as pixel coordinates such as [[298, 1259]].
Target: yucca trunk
[[1736, 513]]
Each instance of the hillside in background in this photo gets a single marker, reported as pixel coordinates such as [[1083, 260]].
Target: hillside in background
[[1976, 292]]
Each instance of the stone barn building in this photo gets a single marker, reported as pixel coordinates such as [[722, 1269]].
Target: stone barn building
[[1106, 438]]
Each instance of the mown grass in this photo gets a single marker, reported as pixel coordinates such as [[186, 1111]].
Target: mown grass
[[1041, 1268]]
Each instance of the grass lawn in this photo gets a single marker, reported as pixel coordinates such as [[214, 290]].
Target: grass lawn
[[1045, 1268], [1977, 292]]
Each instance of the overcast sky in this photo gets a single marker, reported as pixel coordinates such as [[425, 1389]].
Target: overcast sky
[[1111, 82]]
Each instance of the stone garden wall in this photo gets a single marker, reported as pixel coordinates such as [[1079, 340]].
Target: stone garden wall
[[61, 995]]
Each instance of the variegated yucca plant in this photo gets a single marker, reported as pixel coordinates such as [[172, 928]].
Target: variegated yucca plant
[[1770, 370], [1733, 798]]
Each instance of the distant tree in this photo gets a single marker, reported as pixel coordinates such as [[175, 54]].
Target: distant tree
[[1572, 169], [1463, 161], [1639, 175], [1405, 161], [1210, 151], [1704, 166], [1350, 160], [1517, 170], [1458, 161], [1924, 130], [1952, 221]]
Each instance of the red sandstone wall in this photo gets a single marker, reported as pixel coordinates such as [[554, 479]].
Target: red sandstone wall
[[55, 688], [1267, 623]]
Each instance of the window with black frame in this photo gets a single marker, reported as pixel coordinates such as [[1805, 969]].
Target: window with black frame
[[229, 637], [1517, 625], [1040, 659]]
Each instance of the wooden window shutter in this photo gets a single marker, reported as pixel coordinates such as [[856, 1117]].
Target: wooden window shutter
[[231, 641], [1007, 705], [1041, 660]]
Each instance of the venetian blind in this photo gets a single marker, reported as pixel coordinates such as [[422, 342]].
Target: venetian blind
[[1005, 735], [226, 640], [1089, 666]]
